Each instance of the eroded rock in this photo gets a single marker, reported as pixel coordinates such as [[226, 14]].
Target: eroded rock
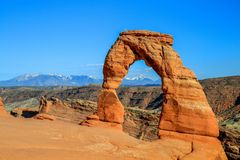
[[45, 107], [185, 108], [186, 112], [73, 110], [3, 111]]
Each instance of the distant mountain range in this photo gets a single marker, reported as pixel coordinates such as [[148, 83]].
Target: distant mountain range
[[73, 80]]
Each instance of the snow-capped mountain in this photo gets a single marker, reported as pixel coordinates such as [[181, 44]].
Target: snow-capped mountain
[[49, 80], [140, 80], [26, 77], [138, 77], [73, 80]]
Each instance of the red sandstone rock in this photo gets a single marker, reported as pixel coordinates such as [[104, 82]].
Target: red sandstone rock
[[186, 113], [44, 109], [3, 112], [44, 105], [185, 107], [43, 116], [110, 108], [203, 147]]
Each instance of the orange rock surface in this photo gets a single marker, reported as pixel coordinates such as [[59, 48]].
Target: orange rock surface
[[3, 112], [44, 105], [44, 116], [110, 108], [29, 139], [185, 107]]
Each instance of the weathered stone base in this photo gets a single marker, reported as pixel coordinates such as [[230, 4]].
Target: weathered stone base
[[203, 147], [110, 109]]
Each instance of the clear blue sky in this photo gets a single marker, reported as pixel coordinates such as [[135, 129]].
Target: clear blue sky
[[73, 36]]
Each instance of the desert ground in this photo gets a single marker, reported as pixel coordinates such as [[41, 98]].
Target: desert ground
[[51, 140]]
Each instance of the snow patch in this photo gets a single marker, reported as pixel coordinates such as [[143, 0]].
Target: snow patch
[[27, 76], [138, 77]]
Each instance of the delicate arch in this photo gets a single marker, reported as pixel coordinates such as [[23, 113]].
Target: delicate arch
[[185, 108]]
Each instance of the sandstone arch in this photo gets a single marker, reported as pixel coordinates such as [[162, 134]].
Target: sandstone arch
[[185, 107]]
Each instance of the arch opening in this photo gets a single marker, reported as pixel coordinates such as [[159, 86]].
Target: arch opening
[[142, 98]]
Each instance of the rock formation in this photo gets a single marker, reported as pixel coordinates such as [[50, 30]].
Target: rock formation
[[24, 112], [186, 113], [185, 108], [231, 142], [3, 112], [44, 107], [74, 110]]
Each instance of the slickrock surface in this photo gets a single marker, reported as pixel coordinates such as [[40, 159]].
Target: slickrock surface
[[3, 112], [44, 116], [53, 140]]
